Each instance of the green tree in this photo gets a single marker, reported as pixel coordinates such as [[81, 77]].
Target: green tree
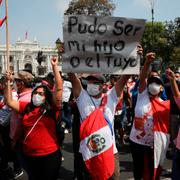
[[172, 35], [152, 37], [90, 7], [172, 32], [175, 56], [164, 39]]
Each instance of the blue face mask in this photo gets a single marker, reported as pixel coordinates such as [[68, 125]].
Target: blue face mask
[[37, 100], [93, 89]]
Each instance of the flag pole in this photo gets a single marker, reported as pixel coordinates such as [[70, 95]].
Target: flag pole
[[7, 38]]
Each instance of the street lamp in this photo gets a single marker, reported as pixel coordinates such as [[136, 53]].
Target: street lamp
[[152, 3], [58, 47]]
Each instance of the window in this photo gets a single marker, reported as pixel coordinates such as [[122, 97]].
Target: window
[[11, 59], [28, 67]]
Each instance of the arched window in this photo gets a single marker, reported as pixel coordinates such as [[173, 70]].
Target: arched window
[[28, 67]]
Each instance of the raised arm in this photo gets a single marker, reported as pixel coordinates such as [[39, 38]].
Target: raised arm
[[171, 76], [119, 86], [145, 70], [8, 93], [76, 84], [58, 82]]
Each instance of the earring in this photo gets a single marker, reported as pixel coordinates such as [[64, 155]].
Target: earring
[[161, 88]]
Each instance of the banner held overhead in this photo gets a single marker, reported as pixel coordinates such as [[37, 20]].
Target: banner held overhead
[[101, 44]]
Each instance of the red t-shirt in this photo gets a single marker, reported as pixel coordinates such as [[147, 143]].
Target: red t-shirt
[[42, 140]]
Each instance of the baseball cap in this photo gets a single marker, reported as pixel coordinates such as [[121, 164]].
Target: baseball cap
[[113, 76], [98, 77], [24, 76], [155, 79]]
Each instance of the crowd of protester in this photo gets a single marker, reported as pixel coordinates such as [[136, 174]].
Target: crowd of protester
[[142, 111]]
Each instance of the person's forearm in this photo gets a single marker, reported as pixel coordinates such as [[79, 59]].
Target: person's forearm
[[143, 76], [145, 70], [174, 88], [119, 86], [8, 93], [57, 77], [76, 84], [58, 86]]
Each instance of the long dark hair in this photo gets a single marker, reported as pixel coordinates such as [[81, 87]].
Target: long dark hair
[[47, 106]]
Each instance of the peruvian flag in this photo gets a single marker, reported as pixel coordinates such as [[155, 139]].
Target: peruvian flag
[[2, 20], [96, 146], [161, 115]]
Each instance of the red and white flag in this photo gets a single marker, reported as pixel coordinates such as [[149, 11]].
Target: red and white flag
[[161, 116], [3, 19], [96, 146]]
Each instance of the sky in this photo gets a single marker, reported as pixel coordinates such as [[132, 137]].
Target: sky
[[42, 19]]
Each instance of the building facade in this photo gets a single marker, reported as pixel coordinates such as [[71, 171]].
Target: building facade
[[23, 55]]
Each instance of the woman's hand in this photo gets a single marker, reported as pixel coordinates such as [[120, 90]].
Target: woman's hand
[[54, 61], [150, 57], [172, 79], [170, 74]]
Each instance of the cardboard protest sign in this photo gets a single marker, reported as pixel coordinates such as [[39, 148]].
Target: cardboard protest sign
[[100, 44]]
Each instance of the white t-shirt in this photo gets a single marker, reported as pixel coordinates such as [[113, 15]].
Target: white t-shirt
[[86, 106], [143, 111]]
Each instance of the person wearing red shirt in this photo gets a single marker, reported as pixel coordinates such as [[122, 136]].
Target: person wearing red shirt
[[40, 143]]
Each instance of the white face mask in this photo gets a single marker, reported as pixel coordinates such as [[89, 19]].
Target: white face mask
[[37, 100], [66, 94], [93, 89], [154, 88]]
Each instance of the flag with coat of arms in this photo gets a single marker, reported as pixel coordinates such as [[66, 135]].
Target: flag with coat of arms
[[96, 146]]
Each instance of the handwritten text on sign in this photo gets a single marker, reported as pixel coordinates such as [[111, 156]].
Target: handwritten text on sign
[[101, 44]]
